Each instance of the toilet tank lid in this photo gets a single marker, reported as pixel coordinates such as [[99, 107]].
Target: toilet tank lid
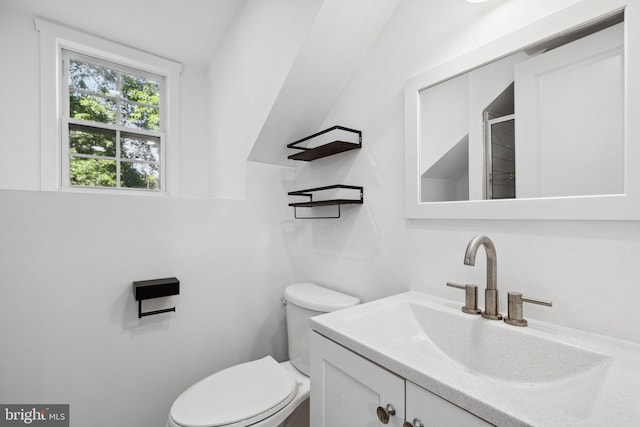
[[317, 298]]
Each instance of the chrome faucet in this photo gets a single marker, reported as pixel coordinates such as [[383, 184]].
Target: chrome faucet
[[491, 291]]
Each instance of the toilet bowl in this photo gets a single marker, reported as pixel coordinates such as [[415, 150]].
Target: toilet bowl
[[263, 392]]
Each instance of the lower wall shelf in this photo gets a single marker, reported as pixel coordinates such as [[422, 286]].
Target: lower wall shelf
[[333, 201]]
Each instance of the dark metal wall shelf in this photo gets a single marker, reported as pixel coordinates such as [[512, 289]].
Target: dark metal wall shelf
[[334, 147], [330, 202], [338, 202]]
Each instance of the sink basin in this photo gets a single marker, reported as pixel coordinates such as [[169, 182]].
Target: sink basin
[[498, 350], [479, 346]]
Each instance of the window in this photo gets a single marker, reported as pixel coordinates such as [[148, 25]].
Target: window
[[112, 131], [110, 119]]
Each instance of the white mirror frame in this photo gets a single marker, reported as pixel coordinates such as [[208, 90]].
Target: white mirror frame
[[605, 207]]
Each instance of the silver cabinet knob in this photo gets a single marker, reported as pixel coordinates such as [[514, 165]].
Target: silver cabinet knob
[[385, 413], [416, 423], [470, 297], [514, 314]]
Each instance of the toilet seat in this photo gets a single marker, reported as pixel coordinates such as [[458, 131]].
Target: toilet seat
[[237, 396]]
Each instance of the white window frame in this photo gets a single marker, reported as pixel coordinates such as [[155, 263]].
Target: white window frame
[[55, 38]]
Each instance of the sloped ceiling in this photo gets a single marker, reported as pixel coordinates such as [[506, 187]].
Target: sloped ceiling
[[341, 34], [187, 31]]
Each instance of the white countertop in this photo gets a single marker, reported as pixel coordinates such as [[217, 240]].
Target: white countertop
[[606, 394]]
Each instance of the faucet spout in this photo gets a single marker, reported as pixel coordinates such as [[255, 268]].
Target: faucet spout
[[492, 261], [491, 290]]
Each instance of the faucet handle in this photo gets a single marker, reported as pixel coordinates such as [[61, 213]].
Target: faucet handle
[[470, 297], [514, 313]]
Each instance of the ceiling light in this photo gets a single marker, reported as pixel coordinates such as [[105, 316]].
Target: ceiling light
[[476, 1]]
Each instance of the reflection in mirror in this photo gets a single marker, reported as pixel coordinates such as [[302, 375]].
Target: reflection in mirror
[[550, 115]]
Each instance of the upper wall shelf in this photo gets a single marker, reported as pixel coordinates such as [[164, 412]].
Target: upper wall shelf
[[332, 141]]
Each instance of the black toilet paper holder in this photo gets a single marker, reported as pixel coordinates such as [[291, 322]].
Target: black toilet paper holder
[[156, 288]]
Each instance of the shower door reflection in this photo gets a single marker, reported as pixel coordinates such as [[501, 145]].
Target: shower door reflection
[[500, 157]]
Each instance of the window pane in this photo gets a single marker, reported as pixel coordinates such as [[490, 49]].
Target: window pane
[[92, 172], [140, 175], [109, 107], [92, 77], [93, 108], [136, 116], [140, 147], [140, 89], [86, 140]]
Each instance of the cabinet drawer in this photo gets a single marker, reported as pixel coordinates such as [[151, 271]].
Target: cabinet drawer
[[435, 411]]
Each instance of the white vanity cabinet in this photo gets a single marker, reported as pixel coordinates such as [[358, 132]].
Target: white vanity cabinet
[[349, 390]]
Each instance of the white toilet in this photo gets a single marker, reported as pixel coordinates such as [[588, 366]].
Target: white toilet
[[261, 393]]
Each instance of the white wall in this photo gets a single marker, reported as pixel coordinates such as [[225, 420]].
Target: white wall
[[586, 268], [19, 111], [68, 319]]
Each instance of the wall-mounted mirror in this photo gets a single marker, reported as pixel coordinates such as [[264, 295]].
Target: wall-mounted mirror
[[531, 126]]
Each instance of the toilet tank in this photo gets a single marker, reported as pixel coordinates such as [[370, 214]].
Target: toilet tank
[[305, 300]]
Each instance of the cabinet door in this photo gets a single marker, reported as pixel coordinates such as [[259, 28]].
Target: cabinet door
[[434, 411], [347, 389]]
